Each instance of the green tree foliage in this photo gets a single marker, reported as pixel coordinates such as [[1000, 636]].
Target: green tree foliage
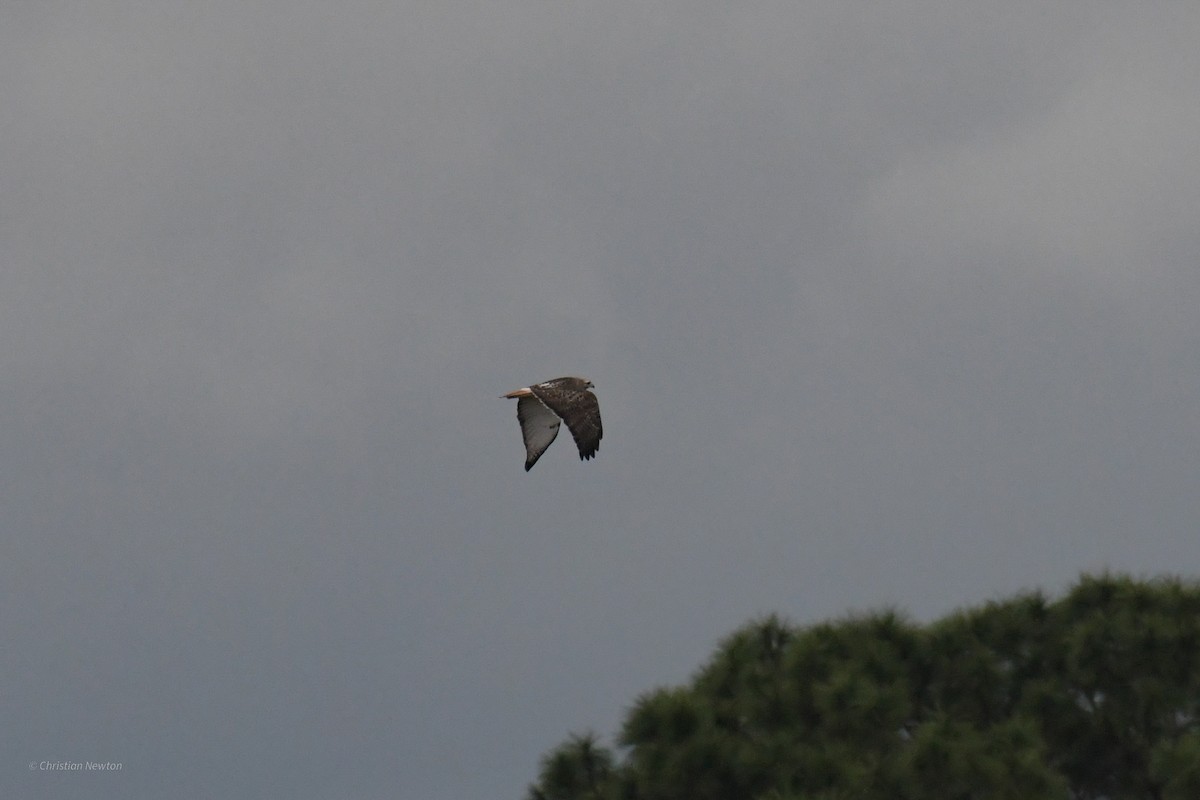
[[577, 770], [1093, 697]]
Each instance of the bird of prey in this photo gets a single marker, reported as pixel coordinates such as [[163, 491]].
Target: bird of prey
[[542, 406]]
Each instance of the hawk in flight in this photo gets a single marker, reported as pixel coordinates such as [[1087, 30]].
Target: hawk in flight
[[542, 406]]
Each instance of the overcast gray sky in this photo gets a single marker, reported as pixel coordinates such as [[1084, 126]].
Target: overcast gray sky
[[887, 304]]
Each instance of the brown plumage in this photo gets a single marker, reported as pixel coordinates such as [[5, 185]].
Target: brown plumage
[[542, 406]]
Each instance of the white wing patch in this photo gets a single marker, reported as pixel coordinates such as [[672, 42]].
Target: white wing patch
[[539, 426]]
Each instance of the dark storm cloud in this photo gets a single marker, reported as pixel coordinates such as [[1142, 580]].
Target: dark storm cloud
[[881, 307]]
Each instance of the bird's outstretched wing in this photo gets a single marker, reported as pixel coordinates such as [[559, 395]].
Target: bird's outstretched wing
[[539, 426], [577, 407]]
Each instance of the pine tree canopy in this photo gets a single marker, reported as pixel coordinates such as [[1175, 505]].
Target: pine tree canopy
[[1094, 696]]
